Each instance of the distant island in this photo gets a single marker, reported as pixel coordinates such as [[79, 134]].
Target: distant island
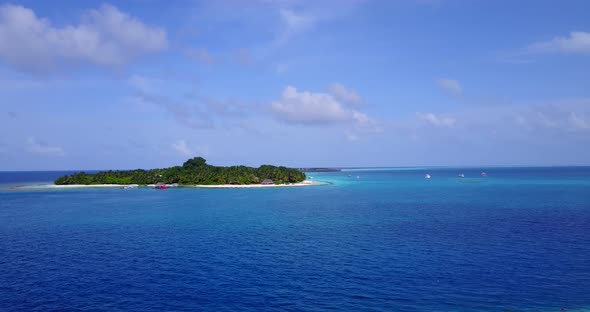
[[320, 169], [194, 171]]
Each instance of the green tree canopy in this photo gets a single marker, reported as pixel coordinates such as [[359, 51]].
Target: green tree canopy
[[194, 171], [194, 163]]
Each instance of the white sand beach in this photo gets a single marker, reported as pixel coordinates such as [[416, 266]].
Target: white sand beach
[[74, 186], [85, 186], [304, 183]]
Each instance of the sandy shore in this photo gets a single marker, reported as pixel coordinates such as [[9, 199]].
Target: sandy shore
[[73, 186], [83, 186], [304, 183]]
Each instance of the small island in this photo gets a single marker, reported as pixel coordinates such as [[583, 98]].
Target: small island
[[194, 172]]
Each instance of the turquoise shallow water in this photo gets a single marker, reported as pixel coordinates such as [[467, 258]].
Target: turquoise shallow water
[[388, 240]]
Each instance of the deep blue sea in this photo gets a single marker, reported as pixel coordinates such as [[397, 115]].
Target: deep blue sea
[[377, 240]]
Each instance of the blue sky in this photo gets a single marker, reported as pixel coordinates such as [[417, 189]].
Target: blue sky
[[142, 84]]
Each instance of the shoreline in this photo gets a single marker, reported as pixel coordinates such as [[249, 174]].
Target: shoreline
[[81, 186], [304, 183]]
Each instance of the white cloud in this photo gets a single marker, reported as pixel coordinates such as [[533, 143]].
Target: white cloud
[[344, 95], [314, 108], [104, 37], [439, 121], [566, 116], [450, 86], [579, 122], [578, 42], [559, 117], [42, 148]]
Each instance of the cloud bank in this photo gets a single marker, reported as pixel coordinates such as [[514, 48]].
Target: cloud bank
[[314, 108], [104, 37], [578, 42]]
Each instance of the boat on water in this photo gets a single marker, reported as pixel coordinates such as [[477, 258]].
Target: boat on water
[[484, 174], [461, 175], [427, 176], [160, 186], [131, 186]]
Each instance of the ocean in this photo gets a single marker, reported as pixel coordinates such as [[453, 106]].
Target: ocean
[[370, 240]]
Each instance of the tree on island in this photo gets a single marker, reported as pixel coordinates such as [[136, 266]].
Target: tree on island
[[194, 163], [193, 171]]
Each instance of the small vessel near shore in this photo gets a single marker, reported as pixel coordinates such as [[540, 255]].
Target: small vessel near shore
[[130, 186], [427, 176], [461, 175], [484, 174]]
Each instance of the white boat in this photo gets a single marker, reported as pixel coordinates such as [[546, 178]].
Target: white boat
[[427, 176], [483, 174], [461, 175]]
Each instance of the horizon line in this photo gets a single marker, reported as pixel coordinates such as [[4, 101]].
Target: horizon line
[[335, 167]]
